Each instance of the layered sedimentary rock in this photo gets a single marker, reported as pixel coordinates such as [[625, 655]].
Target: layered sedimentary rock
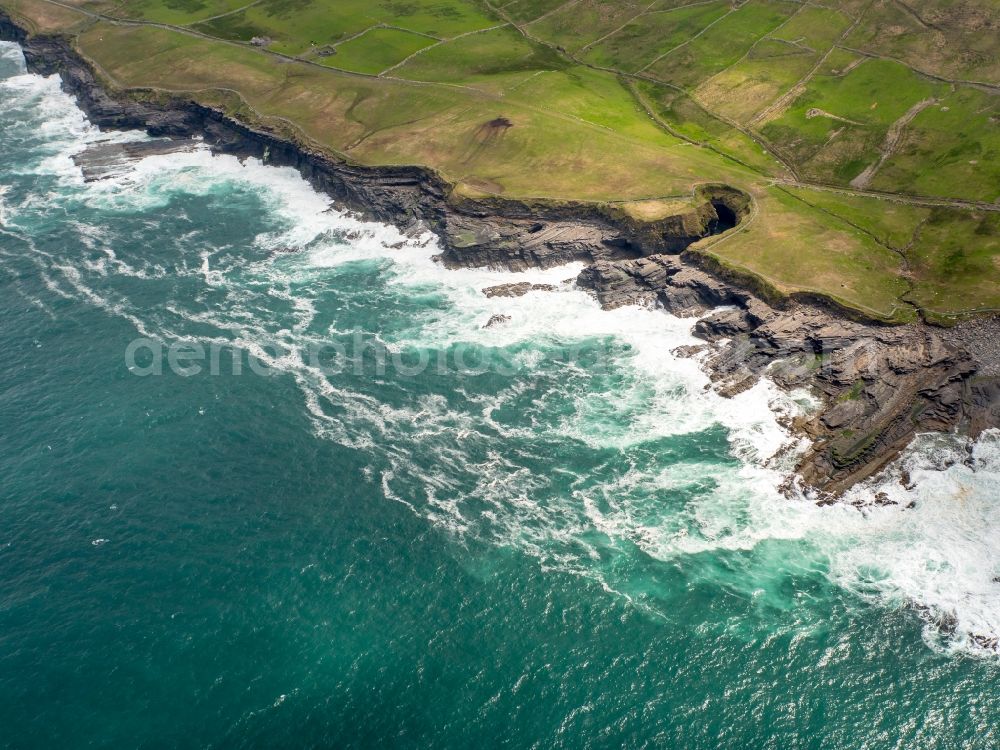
[[879, 384]]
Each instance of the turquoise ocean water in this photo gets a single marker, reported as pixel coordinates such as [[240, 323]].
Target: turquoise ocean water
[[545, 533]]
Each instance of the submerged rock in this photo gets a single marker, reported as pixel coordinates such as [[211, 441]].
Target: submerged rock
[[518, 289]]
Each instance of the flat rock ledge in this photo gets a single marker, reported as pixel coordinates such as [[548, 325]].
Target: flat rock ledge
[[879, 385], [518, 289]]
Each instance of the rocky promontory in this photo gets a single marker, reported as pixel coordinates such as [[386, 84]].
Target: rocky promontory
[[878, 384]]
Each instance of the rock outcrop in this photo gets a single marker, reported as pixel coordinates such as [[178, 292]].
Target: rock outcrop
[[518, 289], [497, 320], [101, 160], [879, 384]]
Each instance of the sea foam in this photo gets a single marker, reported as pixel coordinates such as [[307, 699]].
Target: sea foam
[[937, 549]]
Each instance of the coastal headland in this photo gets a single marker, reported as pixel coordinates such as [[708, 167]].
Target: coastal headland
[[878, 300]]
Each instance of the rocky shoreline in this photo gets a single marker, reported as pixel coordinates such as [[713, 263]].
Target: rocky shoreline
[[879, 384]]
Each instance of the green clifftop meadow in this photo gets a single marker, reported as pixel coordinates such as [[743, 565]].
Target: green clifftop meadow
[[867, 132]]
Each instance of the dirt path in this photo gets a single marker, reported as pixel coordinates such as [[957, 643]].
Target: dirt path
[[891, 143]]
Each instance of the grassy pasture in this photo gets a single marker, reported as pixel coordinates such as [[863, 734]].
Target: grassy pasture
[[951, 38], [836, 127], [376, 49], [952, 148], [652, 35], [293, 30], [583, 93], [45, 19], [471, 58], [297, 26], [688, 118], [839, 62], [956, 261], [891, 223], [722, 44], [769, 70], [774, 64], [851, 267], [877, 92], [814, 27], [576, 25], [524, 11], [546, 154], [174, 12]]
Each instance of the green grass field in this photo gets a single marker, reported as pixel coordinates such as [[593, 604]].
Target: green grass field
[[892, 224], [866, 134], [575, 27], [376, 50], [498, 52], [174, 12], [297, 27], [957, 39], [950, 149], [652, 35], [721, 44]]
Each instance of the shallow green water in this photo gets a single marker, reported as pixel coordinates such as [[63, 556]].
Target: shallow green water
[[566, 542]]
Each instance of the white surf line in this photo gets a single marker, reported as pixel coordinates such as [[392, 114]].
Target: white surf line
[[938, 556], [932, 592]]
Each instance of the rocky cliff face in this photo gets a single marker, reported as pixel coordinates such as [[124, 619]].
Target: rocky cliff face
[[879, 384]]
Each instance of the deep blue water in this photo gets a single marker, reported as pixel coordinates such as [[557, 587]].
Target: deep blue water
[[545, 533]]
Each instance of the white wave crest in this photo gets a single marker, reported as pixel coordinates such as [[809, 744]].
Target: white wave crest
[[11, 60]]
